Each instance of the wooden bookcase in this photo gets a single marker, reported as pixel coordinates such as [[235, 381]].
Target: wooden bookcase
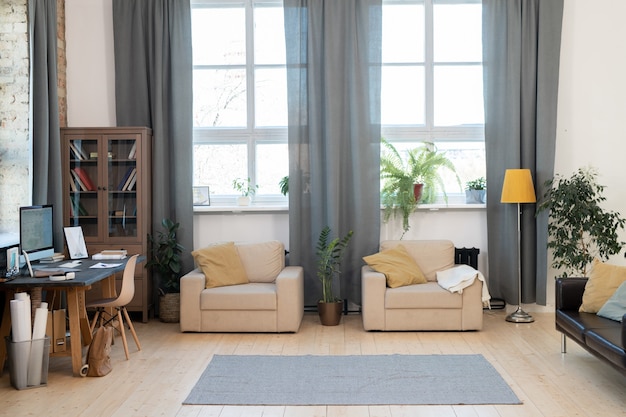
[[107, 184]]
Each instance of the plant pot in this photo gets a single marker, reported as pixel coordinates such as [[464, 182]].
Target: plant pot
[[330, 313], [417, 191], [169, 307], [243, 201], [475, 196]]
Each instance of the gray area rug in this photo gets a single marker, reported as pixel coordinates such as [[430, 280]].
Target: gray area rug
[[351, 380]]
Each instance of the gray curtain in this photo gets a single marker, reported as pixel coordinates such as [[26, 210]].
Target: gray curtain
[[45, 131], [333, 71], [153, 87], [521, 48]]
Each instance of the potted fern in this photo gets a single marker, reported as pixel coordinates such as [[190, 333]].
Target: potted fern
[[579, 229], [329, 257], [165, 262], [406, 183]]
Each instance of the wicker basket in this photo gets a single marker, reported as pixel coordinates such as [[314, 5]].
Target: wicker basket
[[169, 308]]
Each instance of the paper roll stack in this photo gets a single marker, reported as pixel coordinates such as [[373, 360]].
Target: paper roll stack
[[28, 342]]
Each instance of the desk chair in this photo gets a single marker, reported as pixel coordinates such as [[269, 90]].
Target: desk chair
[[125, 296]]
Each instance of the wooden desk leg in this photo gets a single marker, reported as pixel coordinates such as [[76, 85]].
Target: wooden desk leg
[[84, 320], [73, 311], [5, 328]]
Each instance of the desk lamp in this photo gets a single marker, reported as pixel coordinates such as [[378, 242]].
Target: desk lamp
[[518, 188]]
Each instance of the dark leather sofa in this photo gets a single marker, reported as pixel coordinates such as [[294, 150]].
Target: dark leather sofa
[[602, 337]]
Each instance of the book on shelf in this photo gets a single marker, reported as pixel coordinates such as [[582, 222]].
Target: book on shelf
[[79, 182], [84, 177], [132, 182], [76, 148], [77, 208], [73, 186], [132, 175], [120, 186], [133, 151]]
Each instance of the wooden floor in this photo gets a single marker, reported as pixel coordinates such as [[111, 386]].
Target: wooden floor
[[156, 380]]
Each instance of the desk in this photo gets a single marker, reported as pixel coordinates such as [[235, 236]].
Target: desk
[[75, 289]]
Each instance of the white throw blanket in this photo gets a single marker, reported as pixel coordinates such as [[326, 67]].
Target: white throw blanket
[[462, 276]]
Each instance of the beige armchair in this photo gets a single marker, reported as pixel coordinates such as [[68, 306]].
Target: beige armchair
[[426, 306], [271, 301]]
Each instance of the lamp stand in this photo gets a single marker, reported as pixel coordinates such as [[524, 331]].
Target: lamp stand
[[519, 315]]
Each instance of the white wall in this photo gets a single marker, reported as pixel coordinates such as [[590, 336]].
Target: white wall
[[590, 127]]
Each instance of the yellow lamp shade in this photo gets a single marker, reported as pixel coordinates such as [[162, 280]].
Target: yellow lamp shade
[[518, 187]]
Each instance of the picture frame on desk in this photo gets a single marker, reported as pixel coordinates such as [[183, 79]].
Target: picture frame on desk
[[201, 196]]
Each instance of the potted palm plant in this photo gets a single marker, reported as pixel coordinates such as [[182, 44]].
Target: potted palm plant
[[578, 228], [165, 262], [406, 183], [329, 257]]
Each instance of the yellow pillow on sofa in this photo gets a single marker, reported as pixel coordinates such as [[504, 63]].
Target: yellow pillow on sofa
[[397, 265], [604, 279], [220, 265]]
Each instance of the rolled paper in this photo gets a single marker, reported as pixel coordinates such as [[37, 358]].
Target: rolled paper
[[39, 326], [20, 328], [25, 297], [35, 362]]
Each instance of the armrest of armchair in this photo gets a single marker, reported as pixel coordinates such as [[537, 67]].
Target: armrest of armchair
[[373, 287], [191, 285], [290, 298], [569, 293]]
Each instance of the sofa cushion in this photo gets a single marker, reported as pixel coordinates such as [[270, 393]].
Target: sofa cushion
[[615, 307], [430, 255], [252, 296], [602, 284], [422, 296], [262, 261], [399, 268], [220, 265]]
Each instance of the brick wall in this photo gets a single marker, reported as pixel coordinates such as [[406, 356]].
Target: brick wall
[[15, 146]]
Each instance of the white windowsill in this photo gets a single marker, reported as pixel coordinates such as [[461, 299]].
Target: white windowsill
[[277, 208]]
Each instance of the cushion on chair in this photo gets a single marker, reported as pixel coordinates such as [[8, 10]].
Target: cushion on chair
[[430, 255], [253, 296], [220, 265], [262, 261], [615, 307], [604, 279], [399, 268]]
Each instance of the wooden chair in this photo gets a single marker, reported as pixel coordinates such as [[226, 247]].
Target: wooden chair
[[119, 303]]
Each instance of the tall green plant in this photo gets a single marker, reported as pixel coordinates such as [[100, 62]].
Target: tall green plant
[[578, 228], [165, 259], [422, 166], [329, 257]]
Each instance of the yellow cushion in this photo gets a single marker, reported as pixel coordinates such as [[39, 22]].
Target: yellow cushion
[[604, 279], [220, 265], [397, 265]]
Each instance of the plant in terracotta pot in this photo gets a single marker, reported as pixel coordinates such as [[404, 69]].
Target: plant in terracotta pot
[[165, 262], [579, 229], [475, 191], [329, 257], [413, 180], [246, 189]]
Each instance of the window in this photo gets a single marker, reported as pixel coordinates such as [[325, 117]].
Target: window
[[431, 89], [240, 97], [432, 82]]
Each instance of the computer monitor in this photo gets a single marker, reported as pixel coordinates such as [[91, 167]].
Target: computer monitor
[[36, 232]]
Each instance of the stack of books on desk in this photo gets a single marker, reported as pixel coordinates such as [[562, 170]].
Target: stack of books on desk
[[110, 254]]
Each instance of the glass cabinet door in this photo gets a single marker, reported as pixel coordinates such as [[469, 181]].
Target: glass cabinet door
[[122, 176], [83, 185]]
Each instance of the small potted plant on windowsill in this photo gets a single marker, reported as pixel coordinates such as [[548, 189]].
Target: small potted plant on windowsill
[[329, 257], [475, 191], [246, 189], [165, 262]]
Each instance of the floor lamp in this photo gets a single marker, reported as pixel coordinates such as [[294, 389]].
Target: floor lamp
[[518, 188]]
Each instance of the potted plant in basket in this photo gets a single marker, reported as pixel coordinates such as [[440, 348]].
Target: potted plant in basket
[[165, 261], [247, 190], [329, 257], [475, 191], [578, 228], [416, 180]]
